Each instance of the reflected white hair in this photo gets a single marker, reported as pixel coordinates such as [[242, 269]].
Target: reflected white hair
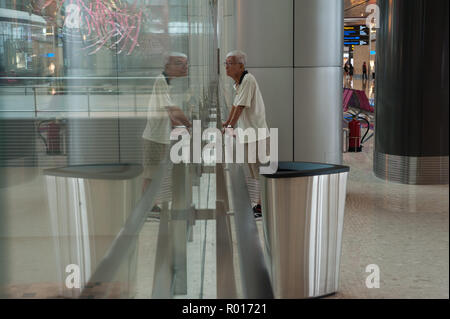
[[169, 55], [240, 56]]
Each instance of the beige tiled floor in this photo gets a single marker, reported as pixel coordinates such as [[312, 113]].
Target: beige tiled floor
[[401, 228]]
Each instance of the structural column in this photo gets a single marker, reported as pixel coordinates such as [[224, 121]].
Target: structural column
[[318, 46], [295, 51], [412, 98]]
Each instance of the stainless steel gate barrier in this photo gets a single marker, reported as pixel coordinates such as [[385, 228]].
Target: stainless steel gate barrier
[[303, 214]]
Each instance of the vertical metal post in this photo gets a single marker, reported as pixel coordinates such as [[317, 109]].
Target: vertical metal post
[[163, 274], [88, 100], [179, 227], [135, 101], [35, 103], [225, 278], [226, 286]]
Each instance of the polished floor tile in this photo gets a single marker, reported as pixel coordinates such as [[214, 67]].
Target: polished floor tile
[[403, 229]]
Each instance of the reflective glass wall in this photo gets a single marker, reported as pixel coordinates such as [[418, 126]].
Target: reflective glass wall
[[89, 92]]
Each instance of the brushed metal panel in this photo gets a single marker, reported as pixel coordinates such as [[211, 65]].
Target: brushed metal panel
[[303, 227], [318, 32], [318, 115], [430, 170], [277, 91], [265, 31]]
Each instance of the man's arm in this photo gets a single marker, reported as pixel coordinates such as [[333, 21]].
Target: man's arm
[[230, 117], [236, 114], [178, 117]]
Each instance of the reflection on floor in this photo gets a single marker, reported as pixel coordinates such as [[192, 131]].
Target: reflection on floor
[[358, 83]]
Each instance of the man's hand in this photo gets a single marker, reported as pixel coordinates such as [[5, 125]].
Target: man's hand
[[178, 122], [177, 117], [229, 131]]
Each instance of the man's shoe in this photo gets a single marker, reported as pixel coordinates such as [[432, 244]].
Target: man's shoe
[[257, 212], [156, 209], [154, 213]]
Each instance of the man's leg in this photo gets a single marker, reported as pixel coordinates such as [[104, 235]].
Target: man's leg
[[257, 165], [145, 183], [252, 167], [254, 172], [154, 153]]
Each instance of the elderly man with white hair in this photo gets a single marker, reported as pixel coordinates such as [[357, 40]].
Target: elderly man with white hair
[[162, 115], [248, 111]]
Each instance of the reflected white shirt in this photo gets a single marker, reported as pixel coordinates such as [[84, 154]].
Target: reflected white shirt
[[158, 120]]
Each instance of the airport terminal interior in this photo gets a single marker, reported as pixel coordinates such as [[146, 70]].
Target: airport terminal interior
[[109, 192]]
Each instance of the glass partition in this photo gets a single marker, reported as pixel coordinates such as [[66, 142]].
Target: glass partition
[[89, 92]]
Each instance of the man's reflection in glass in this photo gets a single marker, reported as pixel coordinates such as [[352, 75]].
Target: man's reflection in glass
[[162, 115]]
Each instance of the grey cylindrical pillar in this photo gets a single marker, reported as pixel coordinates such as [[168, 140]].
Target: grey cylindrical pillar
[[294, 50], [90, 139], [318, 45], [412, 98]]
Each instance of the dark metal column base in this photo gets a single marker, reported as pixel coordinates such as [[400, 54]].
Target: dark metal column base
[[431, 170]]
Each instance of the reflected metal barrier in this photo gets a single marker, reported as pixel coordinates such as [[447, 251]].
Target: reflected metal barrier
[[175, 227], [233, 210], [251, 279], [255, 279], [123, 246], [226, 277], [170, 275]]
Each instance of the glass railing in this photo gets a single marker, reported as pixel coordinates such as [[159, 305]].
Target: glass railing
[[84, 212], [93, 201]]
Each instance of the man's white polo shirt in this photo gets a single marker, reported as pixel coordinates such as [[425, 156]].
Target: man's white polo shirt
[[254, 113], [158, 120]]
